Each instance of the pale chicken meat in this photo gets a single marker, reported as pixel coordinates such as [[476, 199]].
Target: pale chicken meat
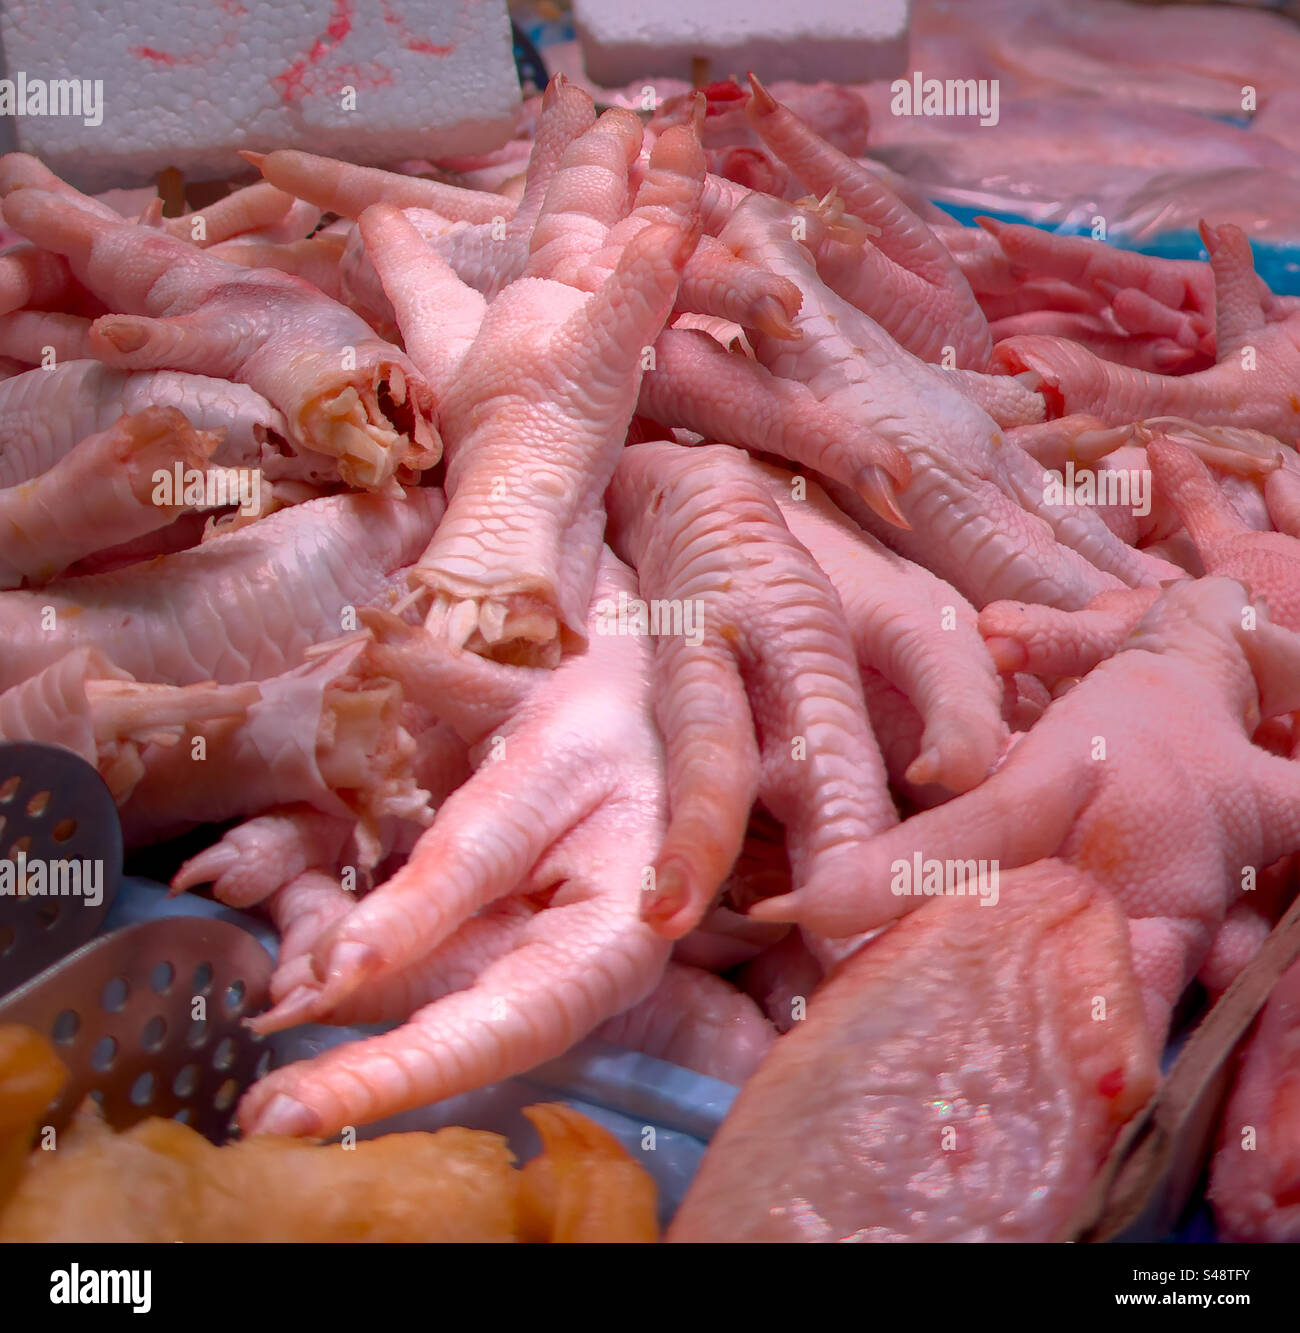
[[681, 554]]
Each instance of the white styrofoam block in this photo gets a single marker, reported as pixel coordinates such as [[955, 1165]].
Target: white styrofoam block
[[842, 41], [186, 83]]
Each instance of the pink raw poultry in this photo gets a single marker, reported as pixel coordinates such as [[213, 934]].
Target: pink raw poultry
[[698, 1021], [88, 705], [566, 811], [1064, 643], [544, 395], [344, 392], [949, 1082], [892, 608], [489, 256], [729, 397], [44, 413], [1252, 384], [907, 282], [762, 699], [976, 507], [590, 806], [325, 733], [245, 605], [254, 859], [100, 494], [1097, 766], [1255, 1184]]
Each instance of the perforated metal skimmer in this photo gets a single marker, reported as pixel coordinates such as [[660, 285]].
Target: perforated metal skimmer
[[61, 843], [148, 1021]]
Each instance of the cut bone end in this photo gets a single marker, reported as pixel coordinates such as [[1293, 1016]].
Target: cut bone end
[[373, 424], [518, 629]]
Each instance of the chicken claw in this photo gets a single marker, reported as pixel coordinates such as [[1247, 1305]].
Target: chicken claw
[[566, 811], [1110, 784], [759, 695], [544, 397], [344, 392]]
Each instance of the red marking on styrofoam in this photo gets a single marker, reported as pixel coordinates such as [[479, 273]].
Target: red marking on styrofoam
[[233, 9], [408, 39], [292, 82]]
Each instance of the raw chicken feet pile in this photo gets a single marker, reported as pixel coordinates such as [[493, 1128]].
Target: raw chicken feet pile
[[642, 602]]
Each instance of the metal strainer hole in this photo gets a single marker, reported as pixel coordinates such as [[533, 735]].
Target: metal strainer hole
[[186, 1081], [97, 1097], [197, 1035], [104, 1054], [226, 1095], [234, 996], [263, 1065], [203, 978], [6, 939], [184, 1115], [161, 978], [63, 830], [39, 804], [23, 846], [153, 1034], [9, 789], [224, 1056], [48, 913], [66, 1026], [114, 996], [142, 1089]]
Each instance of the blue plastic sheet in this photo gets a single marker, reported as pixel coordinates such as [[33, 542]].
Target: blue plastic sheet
[[1278, 265]]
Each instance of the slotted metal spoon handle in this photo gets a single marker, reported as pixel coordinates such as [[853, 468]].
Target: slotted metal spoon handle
[[60, 856]]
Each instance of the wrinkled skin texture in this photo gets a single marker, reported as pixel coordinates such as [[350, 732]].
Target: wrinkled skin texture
[[1151, 313], [545, 392], [906, 281], [974, 505], [765, 702], [1268, 563], [697, 1021], [263, 855], [98, 495], [1022, 637], [726, 396], [1098, 764], [347, 189], [486, 254], [83, 703], [566, 813], [182, 309], [496, 824], [1041, 639], [243, 606], [489, 256], [918, 631], [948, 1084], [1251, 385], [256, 858], [322, 733], [45, 413], [1255, 1190]]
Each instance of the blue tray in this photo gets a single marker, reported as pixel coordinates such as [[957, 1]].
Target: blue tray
[[662, 1114]]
